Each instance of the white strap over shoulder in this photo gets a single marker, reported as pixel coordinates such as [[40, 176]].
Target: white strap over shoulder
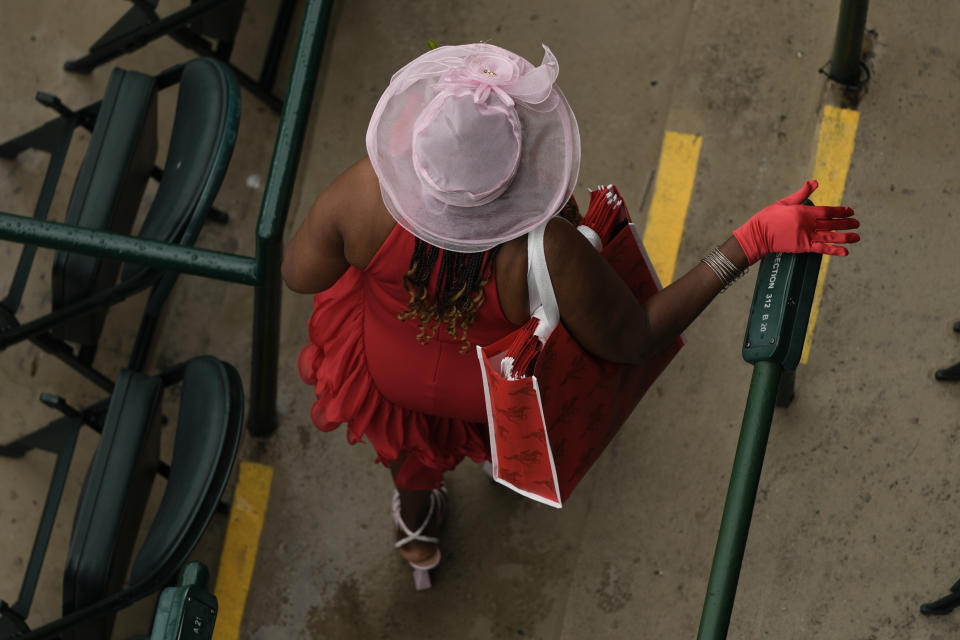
[[543, 300], [538, 276]]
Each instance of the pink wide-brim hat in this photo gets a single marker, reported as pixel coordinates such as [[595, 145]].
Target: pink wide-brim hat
[[473, 146]]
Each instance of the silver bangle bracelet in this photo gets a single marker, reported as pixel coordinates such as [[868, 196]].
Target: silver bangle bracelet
[[722, 267]]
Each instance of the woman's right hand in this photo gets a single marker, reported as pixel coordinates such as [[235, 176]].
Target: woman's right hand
[[789, 226]]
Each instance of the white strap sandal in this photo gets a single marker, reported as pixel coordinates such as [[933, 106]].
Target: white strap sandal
[[421, 571]]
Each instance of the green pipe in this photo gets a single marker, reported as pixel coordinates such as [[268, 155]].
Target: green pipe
[[741, 495], [293, 120], [845, 63], [117, 246], [266, 343], [262, 419]]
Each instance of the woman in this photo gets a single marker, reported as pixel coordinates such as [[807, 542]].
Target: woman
[[419, 251]]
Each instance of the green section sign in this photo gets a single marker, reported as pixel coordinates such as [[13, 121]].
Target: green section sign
[[782, 298]]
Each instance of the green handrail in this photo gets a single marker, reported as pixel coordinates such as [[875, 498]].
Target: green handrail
[[117, 246], [776, 330], [261, 271], [741, 495]]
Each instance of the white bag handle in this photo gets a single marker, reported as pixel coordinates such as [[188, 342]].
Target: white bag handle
[[543, 299]]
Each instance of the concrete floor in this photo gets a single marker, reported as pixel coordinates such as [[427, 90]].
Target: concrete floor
[[854, 525]]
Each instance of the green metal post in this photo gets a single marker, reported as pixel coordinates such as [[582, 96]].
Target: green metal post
[[741, 495], [773, 343], [266, 342], [845, 63], [273, 216]]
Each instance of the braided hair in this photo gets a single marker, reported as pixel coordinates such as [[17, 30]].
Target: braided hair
[[459, 292], [460, 285]]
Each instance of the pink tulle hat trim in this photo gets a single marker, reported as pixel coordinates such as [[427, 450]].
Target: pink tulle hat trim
[[474, 146]]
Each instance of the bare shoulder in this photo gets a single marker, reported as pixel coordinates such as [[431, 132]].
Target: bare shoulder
[[355, 205], [596, 306], [571, 259], [574, 266]]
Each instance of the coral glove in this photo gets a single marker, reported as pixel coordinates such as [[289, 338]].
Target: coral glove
[[792, 227]]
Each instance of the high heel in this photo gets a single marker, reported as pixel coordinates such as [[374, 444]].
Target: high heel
[[438, 505]]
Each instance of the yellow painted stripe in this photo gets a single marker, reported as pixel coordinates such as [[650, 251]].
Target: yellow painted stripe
[[838, 129], [239, 552], [671, 198]]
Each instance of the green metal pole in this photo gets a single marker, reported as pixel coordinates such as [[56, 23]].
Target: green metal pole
[[266, 343], [741, 495], [117, 246], [273, 216], [845, 63]]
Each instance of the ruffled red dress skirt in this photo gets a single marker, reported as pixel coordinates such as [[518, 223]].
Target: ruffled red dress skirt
[[369, 371]]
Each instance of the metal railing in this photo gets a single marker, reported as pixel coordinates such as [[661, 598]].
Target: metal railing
[[773, 343], [262, 270]]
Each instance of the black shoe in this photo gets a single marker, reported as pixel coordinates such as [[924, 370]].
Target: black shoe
[[950, 374]]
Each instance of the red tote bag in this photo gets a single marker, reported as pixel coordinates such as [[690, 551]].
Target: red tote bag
[[552, 408]]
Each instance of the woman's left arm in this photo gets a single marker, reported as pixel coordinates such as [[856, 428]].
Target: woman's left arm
[[314, 260], [786, 225], [671, 310]]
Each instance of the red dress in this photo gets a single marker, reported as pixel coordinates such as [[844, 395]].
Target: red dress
[[369, 370]]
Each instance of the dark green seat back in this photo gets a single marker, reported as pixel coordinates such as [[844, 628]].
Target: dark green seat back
[[204, 130], [208, 434], [113, 498], [107, 193], [118, 483]]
